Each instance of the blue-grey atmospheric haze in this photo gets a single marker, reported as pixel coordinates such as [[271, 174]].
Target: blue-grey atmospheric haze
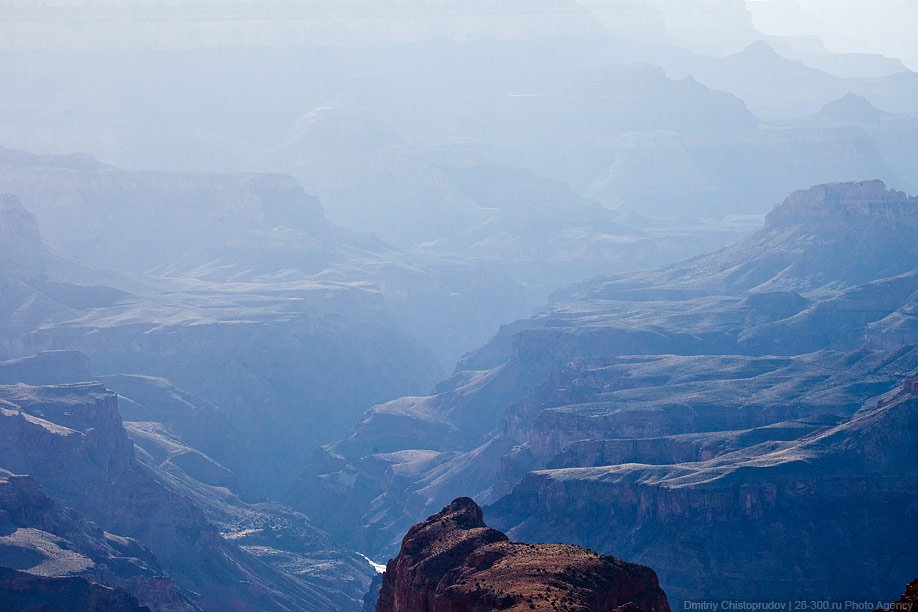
[[280, 280]]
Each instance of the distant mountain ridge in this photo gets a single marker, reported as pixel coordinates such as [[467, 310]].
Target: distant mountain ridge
[[207, 231], [826, 237], [851, 108]]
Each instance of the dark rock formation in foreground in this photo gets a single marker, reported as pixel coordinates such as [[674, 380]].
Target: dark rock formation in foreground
[[22, 591], [453, 561]]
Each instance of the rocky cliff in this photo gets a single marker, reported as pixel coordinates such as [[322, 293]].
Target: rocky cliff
[[712, 525], [454, 562], [82, 467], [22, 591], [58, 552], [721, 364]]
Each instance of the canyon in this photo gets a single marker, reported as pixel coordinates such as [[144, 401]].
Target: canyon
[[441, 305], [711, 389], [705, 410]]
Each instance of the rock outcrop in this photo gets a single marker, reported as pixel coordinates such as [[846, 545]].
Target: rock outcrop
[[454, 562], [59, 551], [836, 204], [22, 591], [70, 438]]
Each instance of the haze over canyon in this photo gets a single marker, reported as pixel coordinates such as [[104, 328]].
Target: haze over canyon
[[428, 305]]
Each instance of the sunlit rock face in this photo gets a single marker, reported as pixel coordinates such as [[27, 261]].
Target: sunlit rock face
[[453, 561]]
